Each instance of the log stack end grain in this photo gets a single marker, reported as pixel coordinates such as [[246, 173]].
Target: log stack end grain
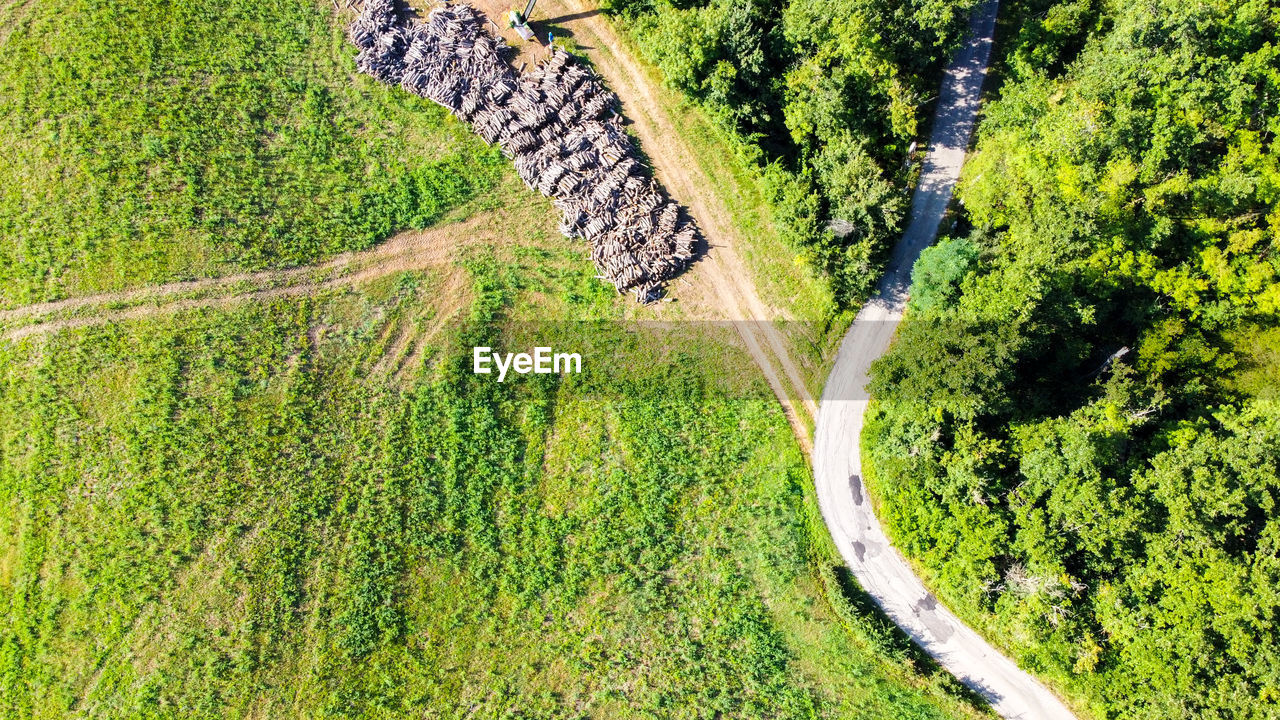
[[558, 124]]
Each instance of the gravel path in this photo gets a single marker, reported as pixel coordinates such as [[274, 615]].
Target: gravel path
[[837, 467]]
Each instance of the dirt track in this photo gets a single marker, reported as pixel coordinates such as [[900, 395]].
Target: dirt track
[[720, 277], [415, 250]]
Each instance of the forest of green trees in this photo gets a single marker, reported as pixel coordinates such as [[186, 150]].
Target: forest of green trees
[[1077, 433], [824, 96]]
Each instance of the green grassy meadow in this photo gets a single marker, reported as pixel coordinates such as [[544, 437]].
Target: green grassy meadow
[[148, 141], [224, 514]]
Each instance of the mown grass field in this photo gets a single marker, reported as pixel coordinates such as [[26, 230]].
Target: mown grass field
[[211, 514], [307, 506], [148, 141]]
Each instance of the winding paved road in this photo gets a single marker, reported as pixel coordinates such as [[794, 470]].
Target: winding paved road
[[837, 467]]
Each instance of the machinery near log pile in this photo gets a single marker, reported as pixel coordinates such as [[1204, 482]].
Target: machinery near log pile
[[558, 124], [520, 21]]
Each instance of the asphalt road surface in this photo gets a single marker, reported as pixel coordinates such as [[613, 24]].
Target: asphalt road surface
[[837, 467]]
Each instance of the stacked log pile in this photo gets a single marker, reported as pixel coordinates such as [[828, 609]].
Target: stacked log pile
[[558, 124]]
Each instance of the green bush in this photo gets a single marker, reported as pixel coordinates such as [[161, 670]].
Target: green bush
[[936, 276]]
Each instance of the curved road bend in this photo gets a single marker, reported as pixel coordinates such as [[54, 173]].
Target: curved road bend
[[879, 568]]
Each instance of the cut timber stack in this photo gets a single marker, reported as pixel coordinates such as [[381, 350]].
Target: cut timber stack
[[558, 124]]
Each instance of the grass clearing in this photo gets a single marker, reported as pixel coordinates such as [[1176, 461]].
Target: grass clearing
[[148, 142], [224, 518]]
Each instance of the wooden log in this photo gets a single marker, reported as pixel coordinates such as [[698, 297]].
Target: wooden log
[[558, 124]]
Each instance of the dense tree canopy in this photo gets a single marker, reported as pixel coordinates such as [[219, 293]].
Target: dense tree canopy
[[827, 95], [1077, 432]]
